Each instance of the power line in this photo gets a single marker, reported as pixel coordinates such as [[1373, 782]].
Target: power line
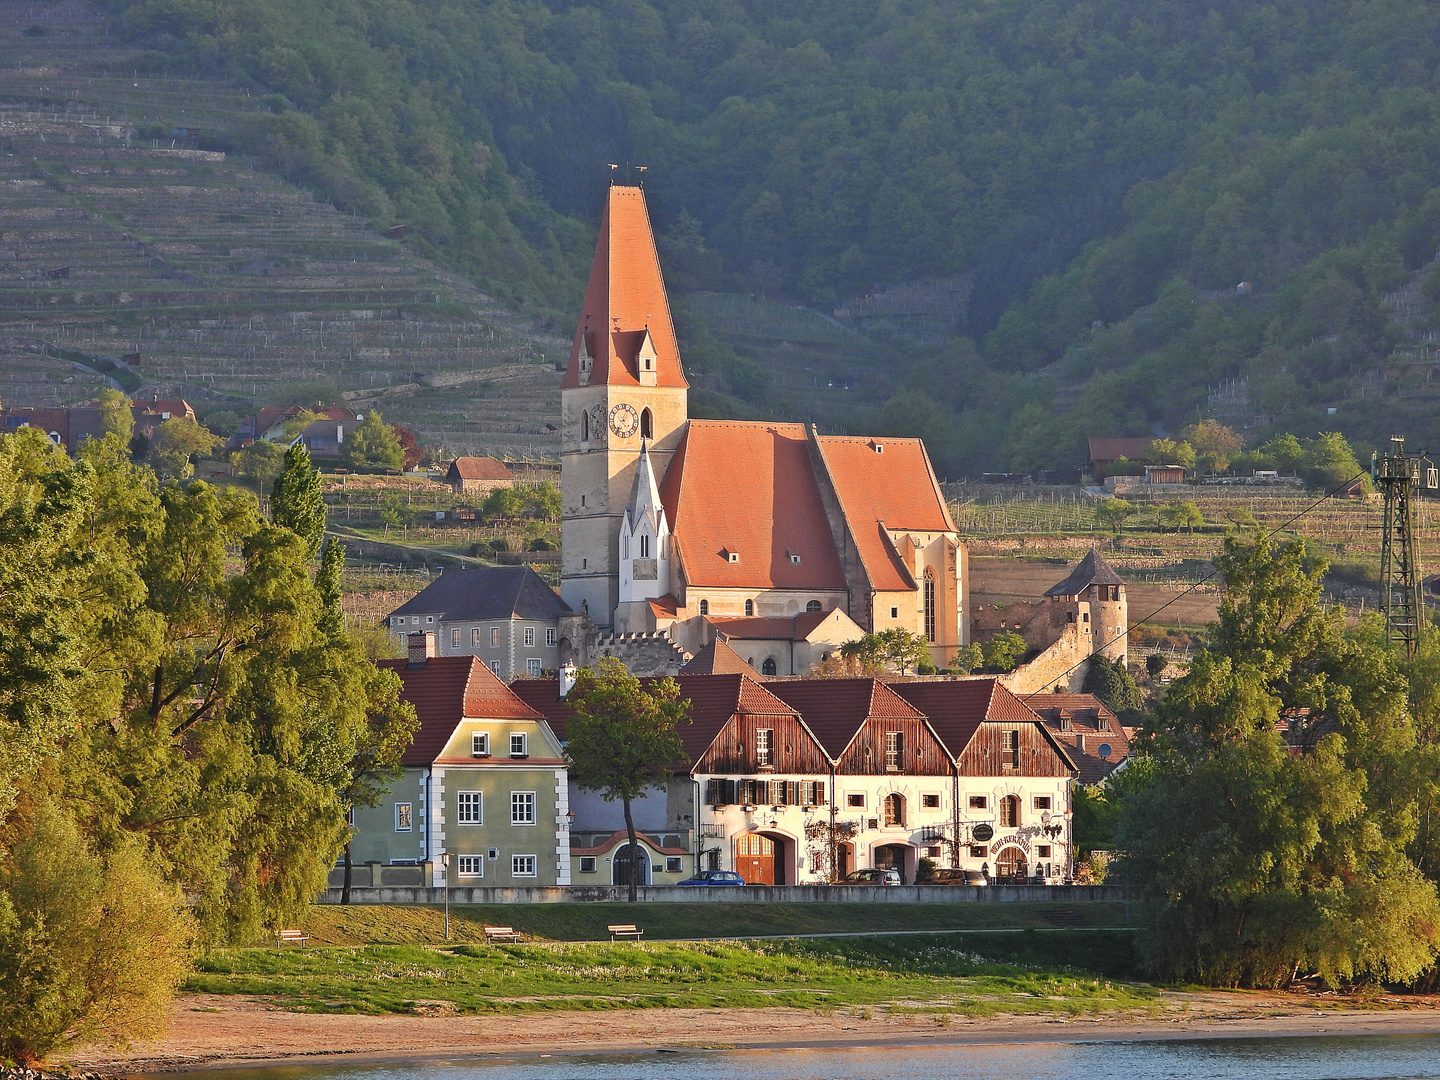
[[1185, 592]]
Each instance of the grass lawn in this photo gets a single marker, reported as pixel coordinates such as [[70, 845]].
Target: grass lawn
[[968, 974], [380, 924]]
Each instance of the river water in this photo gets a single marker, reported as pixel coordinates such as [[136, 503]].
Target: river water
[[1384, 1057]]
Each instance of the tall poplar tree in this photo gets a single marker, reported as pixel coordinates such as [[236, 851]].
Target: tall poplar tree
[[295, 500]]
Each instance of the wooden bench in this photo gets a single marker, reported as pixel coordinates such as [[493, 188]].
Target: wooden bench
[[500, 933], [292, 937], [629, 930]]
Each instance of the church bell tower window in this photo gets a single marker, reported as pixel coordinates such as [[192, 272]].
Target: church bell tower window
[[647, 425]]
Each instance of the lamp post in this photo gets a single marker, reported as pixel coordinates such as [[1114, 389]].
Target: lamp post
[[445, 862]]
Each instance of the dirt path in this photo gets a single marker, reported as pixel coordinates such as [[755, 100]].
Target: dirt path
[[212, 1030]]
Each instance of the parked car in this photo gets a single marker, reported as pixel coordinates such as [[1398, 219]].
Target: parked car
[[715, 877], [874, 876], [955, 877]]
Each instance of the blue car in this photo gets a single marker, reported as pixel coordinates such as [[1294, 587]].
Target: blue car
[[715, 877]]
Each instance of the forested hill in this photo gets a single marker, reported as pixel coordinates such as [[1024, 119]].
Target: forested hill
[[1097, 177]]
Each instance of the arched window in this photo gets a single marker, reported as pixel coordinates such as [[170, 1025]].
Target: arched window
[[929, 604], [895, 810], [647, 425], [768, 668], [585, 426], [644, 546], [1010, 812], [749, 607], [813, 606], [704, 607]]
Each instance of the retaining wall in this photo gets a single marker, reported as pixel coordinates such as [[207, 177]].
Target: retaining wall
[[756, 894]]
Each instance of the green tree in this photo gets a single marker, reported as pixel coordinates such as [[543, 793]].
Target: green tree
[[1155, 664], [1329, 462], [294, 425], [1215, 444], [373, 445], [967, 658], [504, 503], [92, 945], [115, 415], [1170, 452], [1113, 512], [1111, 682], [261, 462], [1241, 518], [1283, 452], [377, 754], [896, 649], [621, 739], [296, 502], [329, 586], [1002, 653], [175, 442], [1182, 515], [1265, 855]]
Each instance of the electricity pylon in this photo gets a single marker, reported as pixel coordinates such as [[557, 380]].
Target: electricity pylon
[[1398, 477]]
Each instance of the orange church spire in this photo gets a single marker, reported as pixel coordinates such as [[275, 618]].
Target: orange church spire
[[625, 336]]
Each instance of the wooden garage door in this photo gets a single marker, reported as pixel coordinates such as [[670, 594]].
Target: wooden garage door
[[755, 859]]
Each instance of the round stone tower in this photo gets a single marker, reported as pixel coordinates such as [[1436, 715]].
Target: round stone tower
[[1095, 584]]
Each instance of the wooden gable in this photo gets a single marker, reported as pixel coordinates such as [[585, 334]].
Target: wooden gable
[[989, 753], [921, 753], [794, 751]]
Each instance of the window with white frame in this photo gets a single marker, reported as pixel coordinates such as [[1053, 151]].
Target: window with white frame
[[894, 750], [519, 744], [522, 865], [532, 667], [472, 866], [470, 808], [530, 637], [522, 808], [494, 637], [587, 864], [855, 798], [765, 746], [455, 638], [402, 817], [480, 744], [674, 864], [930, 802], [978, 802], [495, 667], [475, 637], [550, 636]]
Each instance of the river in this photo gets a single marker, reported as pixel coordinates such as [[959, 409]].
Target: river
[[1382, 1057]]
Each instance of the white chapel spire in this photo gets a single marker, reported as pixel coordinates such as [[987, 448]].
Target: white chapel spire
[[644, 537]]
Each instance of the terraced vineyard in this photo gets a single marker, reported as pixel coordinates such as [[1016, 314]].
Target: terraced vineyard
[[218, 282]]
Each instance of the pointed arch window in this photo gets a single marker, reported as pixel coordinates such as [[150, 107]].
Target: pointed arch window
[[749, 607], [585, 425], [768, 668], [929, 604], [647, 425], [644, 545]]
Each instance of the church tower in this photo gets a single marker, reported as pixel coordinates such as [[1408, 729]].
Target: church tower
[[624, 395]]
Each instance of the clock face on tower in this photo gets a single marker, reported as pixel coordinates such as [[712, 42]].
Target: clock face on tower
[[624, 420]]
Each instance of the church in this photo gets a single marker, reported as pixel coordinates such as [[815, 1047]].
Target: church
[[680, 530]]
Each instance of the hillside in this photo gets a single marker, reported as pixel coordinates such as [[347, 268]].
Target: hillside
[[999, 224], [232, 286]]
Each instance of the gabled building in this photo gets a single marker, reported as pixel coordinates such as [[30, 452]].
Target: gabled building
[[478, 475], [778, 645], [1093, 736], [484, 780], [505, 615], [669, 519]]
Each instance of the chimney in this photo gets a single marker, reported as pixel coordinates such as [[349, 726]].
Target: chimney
[[422, 647], [1079, 739], [567, 678]]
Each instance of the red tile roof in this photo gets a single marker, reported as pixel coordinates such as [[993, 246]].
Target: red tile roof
[[445, 690], [776, 512], [957, 707], [769, 627], [893, 489], [1113, 449], [717, 658], [479, 468], [835, 709], [1090, 719], [625, 297]]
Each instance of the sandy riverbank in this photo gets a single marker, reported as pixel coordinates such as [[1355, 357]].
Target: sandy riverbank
[[224, 1031]]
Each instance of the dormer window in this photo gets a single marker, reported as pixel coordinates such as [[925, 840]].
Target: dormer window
[[731, 556], [878, 447], [480, 744]]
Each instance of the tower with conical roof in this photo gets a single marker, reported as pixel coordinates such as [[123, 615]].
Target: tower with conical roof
[[623, 390], [644, 541], [1100, 594]]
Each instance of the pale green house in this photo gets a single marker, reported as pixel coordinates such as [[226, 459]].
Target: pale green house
[[484, 781]]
